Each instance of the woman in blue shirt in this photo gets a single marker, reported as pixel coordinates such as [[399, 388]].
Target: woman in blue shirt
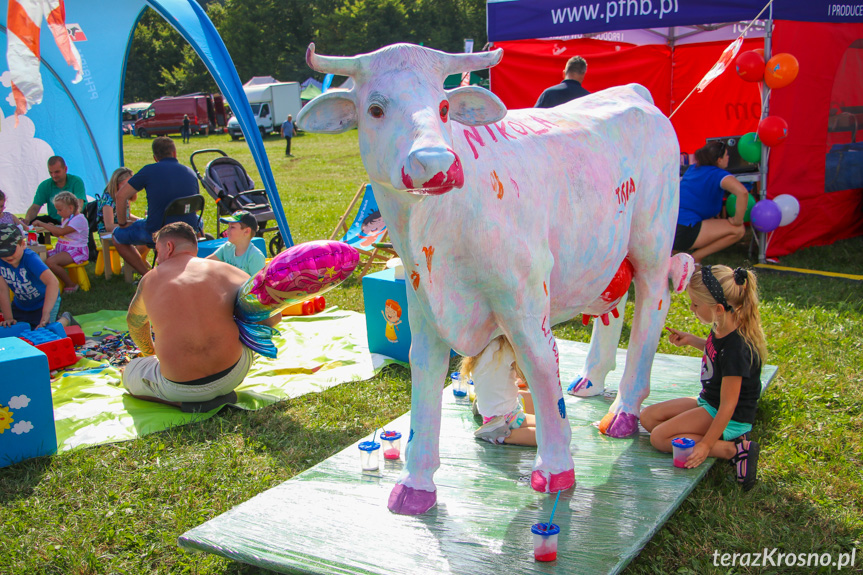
[[702, 189]]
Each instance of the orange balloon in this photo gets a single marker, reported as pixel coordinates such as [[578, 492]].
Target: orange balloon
[[781, 70], [760, 52]]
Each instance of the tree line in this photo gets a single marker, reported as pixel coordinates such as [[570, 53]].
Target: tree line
[[269, 38]]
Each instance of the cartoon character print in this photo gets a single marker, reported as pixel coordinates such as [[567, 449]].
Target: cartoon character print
[[372, 229], [392, 313]]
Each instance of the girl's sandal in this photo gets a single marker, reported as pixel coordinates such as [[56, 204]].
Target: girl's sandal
[[745, 462]]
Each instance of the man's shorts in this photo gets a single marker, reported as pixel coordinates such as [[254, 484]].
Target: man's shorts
[[135, 234], [733, 430], [143, 376]]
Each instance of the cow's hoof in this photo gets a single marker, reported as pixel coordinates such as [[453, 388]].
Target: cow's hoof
[[583, 387], [619, 425], [552, 482], [680, 269], [406, 500]]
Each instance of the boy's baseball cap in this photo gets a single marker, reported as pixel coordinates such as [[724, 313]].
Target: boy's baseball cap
[[10, 235], [243, 218]]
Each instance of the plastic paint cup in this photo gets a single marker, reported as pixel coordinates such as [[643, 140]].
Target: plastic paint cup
[[544, 541], [369, 452], [391, 442], [682, 448], [459, 387], [471, 390]]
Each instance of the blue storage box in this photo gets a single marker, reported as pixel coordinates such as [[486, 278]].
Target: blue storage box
[[26, 409], [208, 247], [386, 296]]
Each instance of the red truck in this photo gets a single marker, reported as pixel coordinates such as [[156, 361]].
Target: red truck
[[165, 116]]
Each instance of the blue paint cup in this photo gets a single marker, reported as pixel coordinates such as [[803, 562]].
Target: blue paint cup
[[545, 541], [459, 386], [369, 453], [392, 441], [682, 449]]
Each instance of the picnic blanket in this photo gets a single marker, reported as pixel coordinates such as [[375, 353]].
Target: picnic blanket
[[315, 353]]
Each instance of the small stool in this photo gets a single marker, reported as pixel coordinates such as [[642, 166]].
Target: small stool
[[116, 266], [78, 272], [129, 271]]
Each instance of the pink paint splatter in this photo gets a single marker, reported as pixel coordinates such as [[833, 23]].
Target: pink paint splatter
[[517, 194]]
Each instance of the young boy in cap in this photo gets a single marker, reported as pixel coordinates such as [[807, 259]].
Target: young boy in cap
[[239, 251], [36, 289]]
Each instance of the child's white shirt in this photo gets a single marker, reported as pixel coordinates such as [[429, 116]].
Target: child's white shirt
[[494, 380], [78, 237]]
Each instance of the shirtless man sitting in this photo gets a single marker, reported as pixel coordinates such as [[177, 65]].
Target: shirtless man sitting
[[195, 354]]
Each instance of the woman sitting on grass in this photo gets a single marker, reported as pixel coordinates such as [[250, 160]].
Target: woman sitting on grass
[[702, 190]]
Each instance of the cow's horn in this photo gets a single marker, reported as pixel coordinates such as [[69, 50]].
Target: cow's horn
[[460, 63], [339, 65]]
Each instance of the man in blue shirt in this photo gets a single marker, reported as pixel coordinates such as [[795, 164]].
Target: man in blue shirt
[[289, 130], [164, 182], [569, 89]]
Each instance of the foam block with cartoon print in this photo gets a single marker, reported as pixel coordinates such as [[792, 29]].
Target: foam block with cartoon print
[[386, 315], [26, 409]]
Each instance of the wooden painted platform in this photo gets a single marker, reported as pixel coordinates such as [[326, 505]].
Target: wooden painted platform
[[333, 518]]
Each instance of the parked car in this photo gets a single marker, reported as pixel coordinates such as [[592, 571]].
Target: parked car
[[165, 116], [132, 113]]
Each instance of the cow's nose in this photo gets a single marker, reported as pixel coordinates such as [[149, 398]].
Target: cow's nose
[[423, 165]]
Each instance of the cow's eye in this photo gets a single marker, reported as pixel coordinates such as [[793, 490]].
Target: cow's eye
[[444, 110], [376, 111]]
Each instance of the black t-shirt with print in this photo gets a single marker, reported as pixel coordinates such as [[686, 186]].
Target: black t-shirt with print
[[730, 356]]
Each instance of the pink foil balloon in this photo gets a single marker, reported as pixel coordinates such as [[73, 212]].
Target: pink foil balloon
[[294, 275]]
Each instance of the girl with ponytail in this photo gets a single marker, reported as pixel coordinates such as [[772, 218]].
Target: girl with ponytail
[[720, 418]]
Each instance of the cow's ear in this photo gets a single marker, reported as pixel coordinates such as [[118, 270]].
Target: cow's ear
[[331, 113], [473, 106]]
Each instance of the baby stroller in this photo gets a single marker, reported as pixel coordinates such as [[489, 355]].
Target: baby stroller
[[230, 186]]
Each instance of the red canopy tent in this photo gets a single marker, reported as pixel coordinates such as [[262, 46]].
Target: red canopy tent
[[820, 106]]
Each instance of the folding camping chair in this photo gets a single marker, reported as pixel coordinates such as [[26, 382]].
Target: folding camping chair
[[368, 232], [181, 207]]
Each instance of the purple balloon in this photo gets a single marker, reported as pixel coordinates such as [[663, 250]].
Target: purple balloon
[[765, 216]]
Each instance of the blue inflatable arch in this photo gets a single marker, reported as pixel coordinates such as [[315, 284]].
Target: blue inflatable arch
[[79, 115]]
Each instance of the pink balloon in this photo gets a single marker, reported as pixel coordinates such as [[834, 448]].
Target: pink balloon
[[303, 270], [295, 274]]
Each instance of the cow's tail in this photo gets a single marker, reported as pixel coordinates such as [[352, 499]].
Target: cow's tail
[[680, 268], [642, 91]]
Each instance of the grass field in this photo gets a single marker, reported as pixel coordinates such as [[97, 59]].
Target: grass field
[[119, 508]]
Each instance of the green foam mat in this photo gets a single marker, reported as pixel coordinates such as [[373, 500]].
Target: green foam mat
[[91, 406], [333, 518]]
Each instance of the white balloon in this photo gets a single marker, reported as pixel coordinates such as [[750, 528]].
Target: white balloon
[[789, 206]]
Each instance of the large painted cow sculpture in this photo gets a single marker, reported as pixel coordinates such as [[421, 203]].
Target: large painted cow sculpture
[[508, 222]]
